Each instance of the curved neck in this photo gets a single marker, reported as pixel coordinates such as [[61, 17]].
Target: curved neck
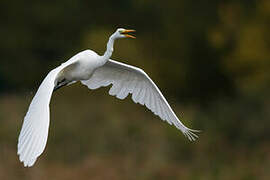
[[109, 50]]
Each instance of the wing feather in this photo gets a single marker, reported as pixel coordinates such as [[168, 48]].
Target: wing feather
[[127, 79], [34, 132]]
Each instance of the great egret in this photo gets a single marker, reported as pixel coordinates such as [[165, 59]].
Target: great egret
[[94, 71]]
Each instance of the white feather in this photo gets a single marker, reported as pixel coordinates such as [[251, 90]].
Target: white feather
[[34, 132], [127, 79]]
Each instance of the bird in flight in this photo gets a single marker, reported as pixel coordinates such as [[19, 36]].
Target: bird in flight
[[94, 71]]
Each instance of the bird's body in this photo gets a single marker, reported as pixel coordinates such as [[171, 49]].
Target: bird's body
[[94, 71], [81, 67]]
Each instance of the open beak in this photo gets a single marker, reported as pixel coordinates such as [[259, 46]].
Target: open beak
[[125, 32]]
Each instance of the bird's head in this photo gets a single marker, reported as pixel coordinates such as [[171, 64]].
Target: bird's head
[[123, 33]]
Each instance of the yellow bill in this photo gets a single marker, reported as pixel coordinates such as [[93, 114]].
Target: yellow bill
[[125, 32]]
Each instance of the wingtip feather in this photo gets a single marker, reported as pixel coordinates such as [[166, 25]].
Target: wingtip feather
[[190, 134]]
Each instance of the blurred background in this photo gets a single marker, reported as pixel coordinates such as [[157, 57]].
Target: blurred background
[[210, 60]]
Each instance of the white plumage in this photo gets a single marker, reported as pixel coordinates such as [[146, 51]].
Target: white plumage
[[93, 71]]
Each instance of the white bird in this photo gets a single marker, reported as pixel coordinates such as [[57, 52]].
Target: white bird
[[94, 71]]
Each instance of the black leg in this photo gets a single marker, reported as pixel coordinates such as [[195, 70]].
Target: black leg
[[60, 84]]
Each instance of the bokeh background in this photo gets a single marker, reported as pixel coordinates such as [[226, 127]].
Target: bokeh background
[[211, 59]]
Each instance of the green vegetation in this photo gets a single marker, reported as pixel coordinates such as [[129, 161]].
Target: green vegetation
[[210, 59]]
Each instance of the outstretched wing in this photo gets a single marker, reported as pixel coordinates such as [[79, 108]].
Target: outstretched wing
[[34, 132], [127, 79]]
